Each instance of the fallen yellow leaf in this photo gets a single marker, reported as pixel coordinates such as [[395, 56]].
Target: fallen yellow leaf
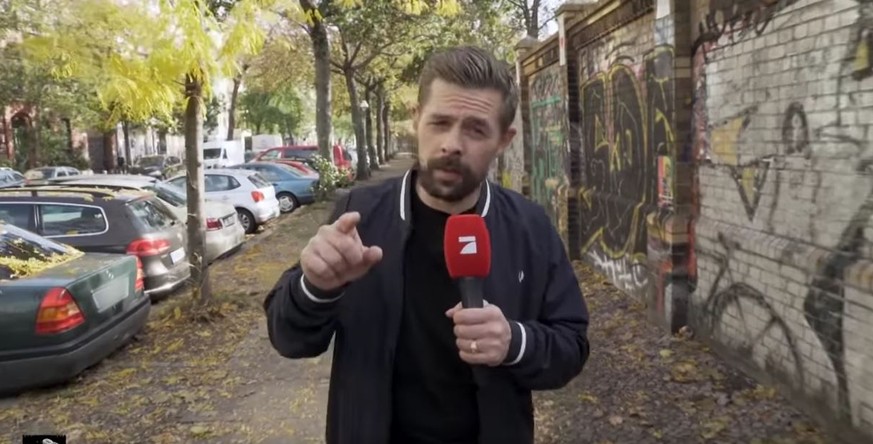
[[666, 353], [199, 430], [587, 397]]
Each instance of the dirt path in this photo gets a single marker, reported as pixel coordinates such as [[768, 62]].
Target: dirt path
[[641, 385], [280, 400]]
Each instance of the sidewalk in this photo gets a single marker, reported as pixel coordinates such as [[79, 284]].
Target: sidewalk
[[280, 401]]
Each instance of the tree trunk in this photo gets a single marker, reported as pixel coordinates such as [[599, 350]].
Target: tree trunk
[[368, 136], [68, 128], [194, 187], [531, 15], [321, 51], [162, 141], [358, 124], [386, 112], [109, 149], [36, 140], [231, 109], [380, 128], [125, 128]]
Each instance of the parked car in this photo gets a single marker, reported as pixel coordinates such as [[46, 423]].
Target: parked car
[[224, 233], [292, 188], [301, 153], [66, 314], [159, 166], [105, 221], [306, 155], [45, 173], [252, 196], [11, 178], [277, 156]]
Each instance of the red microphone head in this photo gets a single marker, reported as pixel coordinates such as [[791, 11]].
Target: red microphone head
[[467, 246]]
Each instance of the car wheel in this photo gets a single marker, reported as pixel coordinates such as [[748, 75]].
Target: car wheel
[[287, 202], [247, 220]]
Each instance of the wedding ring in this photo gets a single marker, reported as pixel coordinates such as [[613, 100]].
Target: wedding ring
[[474, 348]]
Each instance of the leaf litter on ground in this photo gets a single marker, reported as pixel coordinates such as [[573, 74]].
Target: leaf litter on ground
[[177, 365]]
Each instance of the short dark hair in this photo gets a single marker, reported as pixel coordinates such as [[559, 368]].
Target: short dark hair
[[471, 67]]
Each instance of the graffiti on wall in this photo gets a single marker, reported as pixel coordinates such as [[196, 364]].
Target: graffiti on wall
[[751, 309], [794, 168], [549, 158], [825, 304], [738, 19], [626, 123]]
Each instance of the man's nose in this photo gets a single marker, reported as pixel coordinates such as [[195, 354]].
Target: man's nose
[[452, 142]]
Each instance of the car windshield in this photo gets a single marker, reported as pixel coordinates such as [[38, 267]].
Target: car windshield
[[24, 254], [171, 194], [212, 153], [259, 181], [178, 187], [150, 161], [301, 154], [290, 170], [38, 173]]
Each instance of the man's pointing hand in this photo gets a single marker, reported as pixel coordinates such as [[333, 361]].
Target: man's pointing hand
[[336, 255]]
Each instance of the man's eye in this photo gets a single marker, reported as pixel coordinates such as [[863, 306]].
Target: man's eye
[[478, 131]]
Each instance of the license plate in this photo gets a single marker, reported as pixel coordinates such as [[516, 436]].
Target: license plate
[[111, 293], [229, 220], [177, 255]]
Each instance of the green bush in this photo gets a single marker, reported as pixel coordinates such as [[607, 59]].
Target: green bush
[[330, 178]]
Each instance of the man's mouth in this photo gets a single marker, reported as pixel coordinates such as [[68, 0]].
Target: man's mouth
[[448, 173]]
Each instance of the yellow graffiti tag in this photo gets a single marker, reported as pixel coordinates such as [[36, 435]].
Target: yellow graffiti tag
[[724, 141]]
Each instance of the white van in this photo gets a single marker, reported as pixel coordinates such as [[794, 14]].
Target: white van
[[223, 153]]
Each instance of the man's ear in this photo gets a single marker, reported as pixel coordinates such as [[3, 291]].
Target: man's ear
[[506, 140], [415, 117]]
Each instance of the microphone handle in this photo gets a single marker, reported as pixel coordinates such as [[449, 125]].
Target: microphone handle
[[472, 296], [471, 292]]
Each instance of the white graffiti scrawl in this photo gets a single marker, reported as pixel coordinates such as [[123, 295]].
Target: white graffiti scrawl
[[625, 274]]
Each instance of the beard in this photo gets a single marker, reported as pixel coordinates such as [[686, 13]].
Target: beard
[[452, 190]]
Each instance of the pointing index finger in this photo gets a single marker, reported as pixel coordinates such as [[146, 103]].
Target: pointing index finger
[[347, 222]]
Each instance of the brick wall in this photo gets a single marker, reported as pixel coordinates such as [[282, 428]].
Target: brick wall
[[512, 175], [720, 171], [618, 167], [783, 97], [549, 154]]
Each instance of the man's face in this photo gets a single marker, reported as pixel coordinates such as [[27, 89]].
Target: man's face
[[459, 135]]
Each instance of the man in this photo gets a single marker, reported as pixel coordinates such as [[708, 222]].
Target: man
[[375, 277]]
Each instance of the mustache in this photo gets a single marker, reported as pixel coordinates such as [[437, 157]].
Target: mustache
[[449, 163]]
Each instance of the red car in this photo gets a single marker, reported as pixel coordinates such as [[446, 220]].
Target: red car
[[304, 154]]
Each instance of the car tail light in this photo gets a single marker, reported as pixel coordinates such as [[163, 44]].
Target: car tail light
[[139, 284], [58, 312], [257, 196], [213, 224], [148, 247]]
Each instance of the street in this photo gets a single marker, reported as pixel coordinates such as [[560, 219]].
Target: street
[[216, 378]]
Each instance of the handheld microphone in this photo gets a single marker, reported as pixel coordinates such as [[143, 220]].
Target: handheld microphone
[[467, 249]]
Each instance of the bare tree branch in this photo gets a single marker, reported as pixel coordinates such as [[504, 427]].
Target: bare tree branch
[[351, 59]]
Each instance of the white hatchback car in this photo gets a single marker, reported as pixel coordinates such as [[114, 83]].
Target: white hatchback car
[[224, 233], [253, 197]]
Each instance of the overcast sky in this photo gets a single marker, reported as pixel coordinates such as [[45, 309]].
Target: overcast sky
[[551, 25]]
